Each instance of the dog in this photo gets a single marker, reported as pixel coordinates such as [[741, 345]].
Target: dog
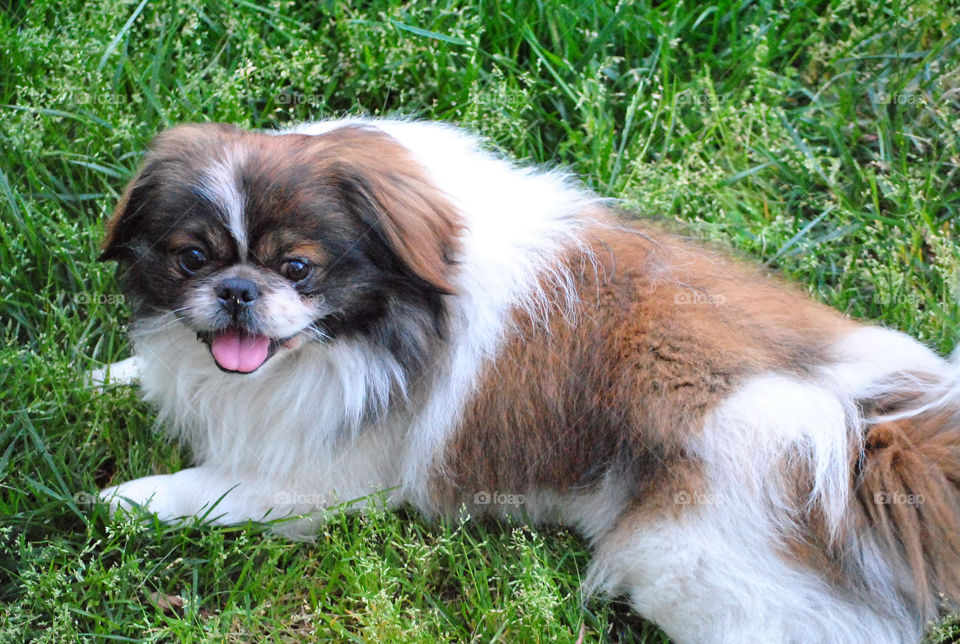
[[369, 306]]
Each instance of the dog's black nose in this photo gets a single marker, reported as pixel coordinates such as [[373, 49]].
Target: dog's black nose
[[236, 293]]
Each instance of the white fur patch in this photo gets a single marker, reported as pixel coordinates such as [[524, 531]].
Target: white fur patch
[[872, 362], [593, 513], [772, 420], [714, 575], [221, 186]]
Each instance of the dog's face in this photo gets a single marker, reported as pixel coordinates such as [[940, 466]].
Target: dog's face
[[260, 243]]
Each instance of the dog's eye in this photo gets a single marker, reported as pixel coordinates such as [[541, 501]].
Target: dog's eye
[[191, 260], [295, 270]]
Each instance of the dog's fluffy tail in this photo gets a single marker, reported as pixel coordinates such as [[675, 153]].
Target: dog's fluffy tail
[[907, 484]]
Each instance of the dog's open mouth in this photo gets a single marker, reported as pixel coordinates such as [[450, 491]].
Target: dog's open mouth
[[237, 351]]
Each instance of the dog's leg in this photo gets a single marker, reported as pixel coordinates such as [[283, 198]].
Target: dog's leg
[[217, 497], [703, 578], [735, 557], [197, 491], [125, 372]]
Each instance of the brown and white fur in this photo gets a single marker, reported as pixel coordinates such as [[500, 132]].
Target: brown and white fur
[[748, 465]]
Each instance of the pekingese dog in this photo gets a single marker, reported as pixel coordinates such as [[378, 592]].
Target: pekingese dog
[[361, 306]]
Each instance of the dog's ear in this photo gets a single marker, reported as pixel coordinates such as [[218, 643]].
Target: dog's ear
[[391, 195], [123, 224]]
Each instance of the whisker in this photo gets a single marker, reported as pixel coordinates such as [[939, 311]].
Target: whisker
[[163, 321]]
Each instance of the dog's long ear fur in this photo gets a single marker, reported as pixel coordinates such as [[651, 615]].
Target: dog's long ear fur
[[390, 194], [122, 225]]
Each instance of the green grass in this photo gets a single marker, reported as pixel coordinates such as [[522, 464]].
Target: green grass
[[820, 138]]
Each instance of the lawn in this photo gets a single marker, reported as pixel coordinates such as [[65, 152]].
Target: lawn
[[822, 139]]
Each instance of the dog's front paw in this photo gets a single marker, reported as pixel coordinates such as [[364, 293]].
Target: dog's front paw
[[151, 494], [125, 372], [209, 495]]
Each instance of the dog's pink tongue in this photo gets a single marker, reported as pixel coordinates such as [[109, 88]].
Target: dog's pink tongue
[[237, 352]]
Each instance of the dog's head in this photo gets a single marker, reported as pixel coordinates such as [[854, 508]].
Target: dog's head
[[260, 243]]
